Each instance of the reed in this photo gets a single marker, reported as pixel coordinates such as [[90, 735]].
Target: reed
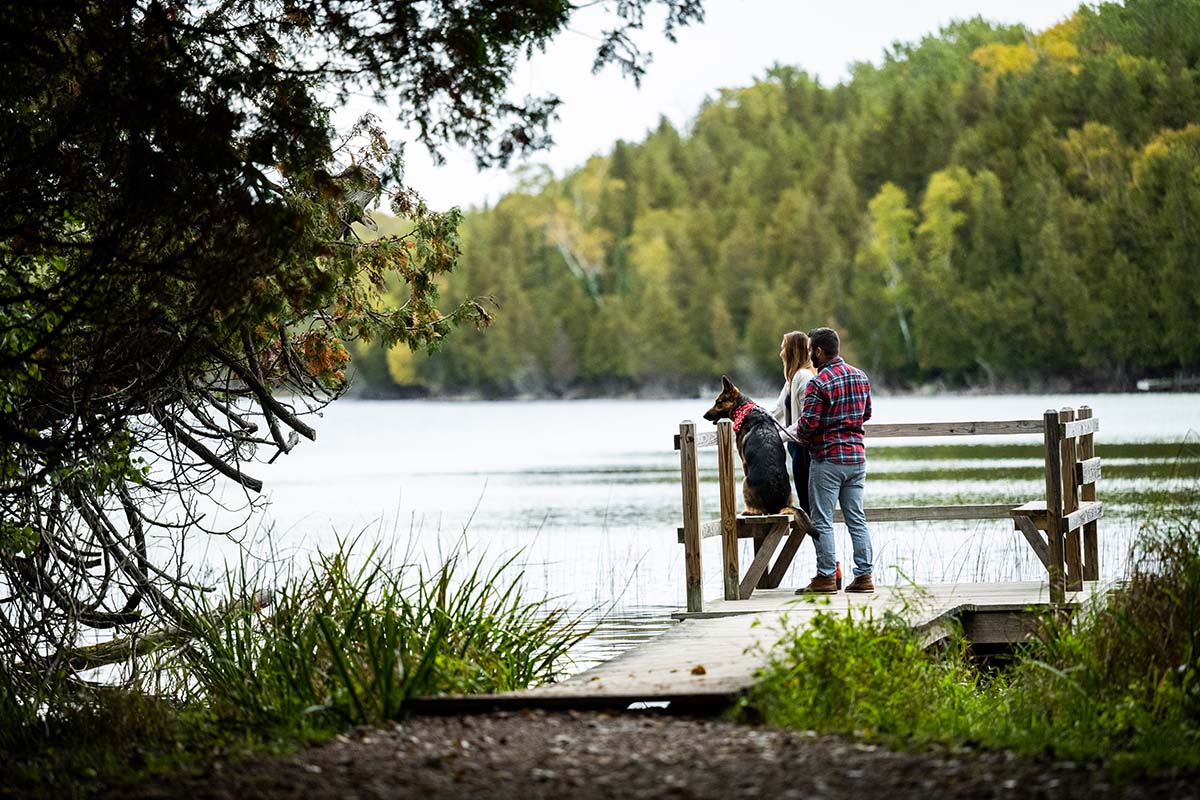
[[347, 640]]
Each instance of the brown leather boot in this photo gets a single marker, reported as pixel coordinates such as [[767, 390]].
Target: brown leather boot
[[820, 585], [862, 584]]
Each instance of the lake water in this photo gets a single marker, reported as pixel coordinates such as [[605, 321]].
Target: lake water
[[587, 493]]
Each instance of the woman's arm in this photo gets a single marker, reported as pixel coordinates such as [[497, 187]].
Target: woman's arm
[[799, 381], [779, 412]]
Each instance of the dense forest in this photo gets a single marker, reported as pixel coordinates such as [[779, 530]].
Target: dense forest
[[988, 207]]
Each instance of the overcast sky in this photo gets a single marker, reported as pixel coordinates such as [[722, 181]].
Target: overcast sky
[[738, 41]]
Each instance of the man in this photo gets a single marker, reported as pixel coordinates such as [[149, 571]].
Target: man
[[836, 404]]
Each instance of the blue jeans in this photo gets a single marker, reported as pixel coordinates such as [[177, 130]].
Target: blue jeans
[[800, 461], [829, 484]]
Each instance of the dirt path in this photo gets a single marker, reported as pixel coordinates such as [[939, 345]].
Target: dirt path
[[580, 756]]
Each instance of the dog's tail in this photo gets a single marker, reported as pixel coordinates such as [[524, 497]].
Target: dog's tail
[[801, 520]]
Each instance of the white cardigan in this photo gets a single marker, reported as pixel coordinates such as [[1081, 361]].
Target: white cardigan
[[798, 382]]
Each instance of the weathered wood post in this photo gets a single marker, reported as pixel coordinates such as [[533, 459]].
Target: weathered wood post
[[1074, 551], [727, 481], [690, 480], [1054, 501], [1091, 548]]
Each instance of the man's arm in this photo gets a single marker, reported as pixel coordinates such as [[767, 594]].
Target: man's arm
[[867, 407], [810, 417]]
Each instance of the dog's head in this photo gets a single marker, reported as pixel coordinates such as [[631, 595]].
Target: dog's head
[[728, 400]]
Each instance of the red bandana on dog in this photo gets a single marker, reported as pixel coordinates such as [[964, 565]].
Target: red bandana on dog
[[740, 413]]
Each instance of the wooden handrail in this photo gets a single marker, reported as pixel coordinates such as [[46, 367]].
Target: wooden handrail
[[931, 513], [890, 430], [702, 439], [1087, 471], [882, 430], [884, 514], [1080, 427], [728, 520], [1088, 511]]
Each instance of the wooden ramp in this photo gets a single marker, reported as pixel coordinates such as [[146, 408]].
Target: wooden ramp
[[710, 657]]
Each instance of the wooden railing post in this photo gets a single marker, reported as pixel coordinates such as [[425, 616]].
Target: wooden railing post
[[727, 481], [1091, 548], [1074, 552], [1054, 502], [690, 479]]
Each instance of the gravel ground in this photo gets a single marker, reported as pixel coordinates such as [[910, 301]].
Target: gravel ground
[[533, 754]]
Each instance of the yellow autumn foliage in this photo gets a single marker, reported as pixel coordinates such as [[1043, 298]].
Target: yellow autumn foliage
[[650, 247], [1163, 145], [941, 211], [1060, 51], [1058, 42], [1001, 59], [1053, 44]]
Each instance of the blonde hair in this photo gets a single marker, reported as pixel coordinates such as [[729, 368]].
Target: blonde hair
[[795, 354]]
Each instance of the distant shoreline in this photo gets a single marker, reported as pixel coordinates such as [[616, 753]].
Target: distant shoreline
[[759, 391]]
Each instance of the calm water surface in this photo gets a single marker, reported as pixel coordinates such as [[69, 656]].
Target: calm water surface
[[587, 492]]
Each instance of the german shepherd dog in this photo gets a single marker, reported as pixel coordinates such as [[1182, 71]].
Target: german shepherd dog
[[766, 489]]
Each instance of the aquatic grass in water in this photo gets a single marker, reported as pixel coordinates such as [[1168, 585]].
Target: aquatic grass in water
[[345, 644]]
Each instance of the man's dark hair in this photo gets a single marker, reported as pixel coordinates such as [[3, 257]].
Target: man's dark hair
[[826, 339]]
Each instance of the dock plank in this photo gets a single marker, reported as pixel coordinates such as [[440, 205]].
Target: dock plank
[[713, 654]]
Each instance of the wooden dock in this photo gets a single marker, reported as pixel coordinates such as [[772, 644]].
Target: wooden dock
[[710, 657]]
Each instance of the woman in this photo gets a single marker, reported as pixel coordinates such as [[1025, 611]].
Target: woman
[[797, 371]]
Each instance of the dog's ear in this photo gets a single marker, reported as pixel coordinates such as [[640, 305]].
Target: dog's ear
[[725, 384]]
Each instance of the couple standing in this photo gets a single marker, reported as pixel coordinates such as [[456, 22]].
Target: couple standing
[[824, 404]]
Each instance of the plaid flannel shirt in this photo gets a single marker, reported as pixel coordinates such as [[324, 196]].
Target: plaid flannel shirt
[[836, 404]]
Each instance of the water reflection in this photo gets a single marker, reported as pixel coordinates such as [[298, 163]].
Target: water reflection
[[616, 633]]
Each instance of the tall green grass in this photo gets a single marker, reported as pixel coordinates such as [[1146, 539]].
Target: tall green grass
[[1118, 683], [347, 641]]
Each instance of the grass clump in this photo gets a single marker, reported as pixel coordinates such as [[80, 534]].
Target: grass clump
[[1118, 683], [854, 674], [345, 645]]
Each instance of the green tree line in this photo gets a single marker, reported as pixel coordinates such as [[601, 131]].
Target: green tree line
[[989, 205]]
